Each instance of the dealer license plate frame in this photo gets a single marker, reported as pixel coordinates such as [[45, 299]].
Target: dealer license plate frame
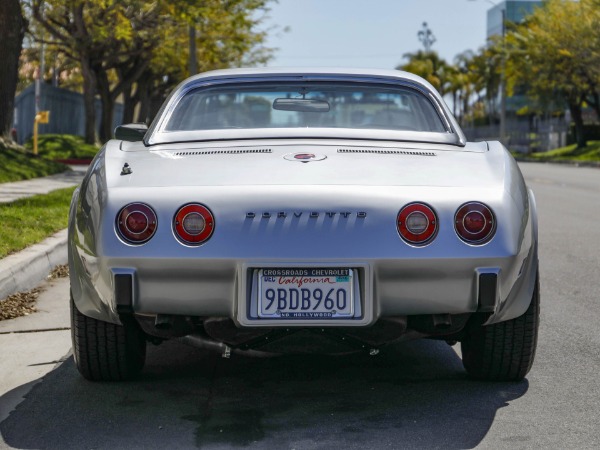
[[337, 286]]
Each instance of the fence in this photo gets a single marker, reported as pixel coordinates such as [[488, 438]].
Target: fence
[[525, 136], [67, 113]]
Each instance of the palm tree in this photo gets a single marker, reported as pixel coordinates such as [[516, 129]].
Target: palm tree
[[428, 65]]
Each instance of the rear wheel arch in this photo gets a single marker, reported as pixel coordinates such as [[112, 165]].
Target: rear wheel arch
[[104, 351], [503, 351]]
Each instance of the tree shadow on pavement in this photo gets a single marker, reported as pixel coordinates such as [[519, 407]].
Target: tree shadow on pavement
[[411, 395]]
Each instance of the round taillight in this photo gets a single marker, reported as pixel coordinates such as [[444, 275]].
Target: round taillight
[[136, 223], [417, 223], [193, 224], [474, 223]]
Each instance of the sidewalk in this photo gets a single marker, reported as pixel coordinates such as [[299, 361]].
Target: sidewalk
[[33, 345], [9, 192], [26, 269]]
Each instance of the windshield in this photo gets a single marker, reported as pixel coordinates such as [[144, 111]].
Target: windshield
[[305, 105]]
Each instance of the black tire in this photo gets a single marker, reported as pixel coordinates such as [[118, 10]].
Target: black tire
[[105, 351], [504, 351]]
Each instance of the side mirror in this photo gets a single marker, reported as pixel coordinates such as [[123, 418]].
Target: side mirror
[[132, 132]]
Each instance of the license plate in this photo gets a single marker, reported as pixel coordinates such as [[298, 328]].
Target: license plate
[[326, 293]]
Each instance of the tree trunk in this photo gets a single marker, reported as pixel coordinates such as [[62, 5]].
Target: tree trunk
[[491, 109], [156, 101], [12, 30], [129, 103], [466, 108], [143, 94], [454, 103], [148, 98], [595, 102], [106, 120], [89, 96], [577, 117], [108, 105], [109, 96]]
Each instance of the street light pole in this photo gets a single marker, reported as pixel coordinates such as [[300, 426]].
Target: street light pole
[[503, 82], [41, 69], [426, 37]]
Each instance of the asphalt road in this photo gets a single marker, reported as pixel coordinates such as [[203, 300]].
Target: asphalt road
[[414, 395]]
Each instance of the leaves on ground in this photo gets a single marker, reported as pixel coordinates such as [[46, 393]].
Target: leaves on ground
[[19, 304], [61, 271], [23, 303]]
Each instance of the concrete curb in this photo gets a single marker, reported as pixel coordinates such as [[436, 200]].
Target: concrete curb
[[28, 268]]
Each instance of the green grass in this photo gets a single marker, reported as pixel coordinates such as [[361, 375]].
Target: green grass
[[17, 164], [63, 146], [571, 153], [30, 220]]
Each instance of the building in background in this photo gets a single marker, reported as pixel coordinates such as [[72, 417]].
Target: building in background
[[498, 18], [527, 132], [509, 11]]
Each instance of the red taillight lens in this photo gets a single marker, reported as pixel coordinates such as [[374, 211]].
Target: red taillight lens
[[193, 224], [136, 223], [474, 223], [417, 223]]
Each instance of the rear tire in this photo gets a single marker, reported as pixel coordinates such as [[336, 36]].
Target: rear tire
[[105, 351], [503, 351]]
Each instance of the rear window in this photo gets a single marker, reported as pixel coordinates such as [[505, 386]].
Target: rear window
[[305, 105]]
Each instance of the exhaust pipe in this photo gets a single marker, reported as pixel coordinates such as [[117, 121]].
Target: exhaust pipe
[[163, 322], [225, 350], [441, 321]]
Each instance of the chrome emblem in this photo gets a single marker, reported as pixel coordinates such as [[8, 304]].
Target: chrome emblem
[[310, 214], [304, 157]]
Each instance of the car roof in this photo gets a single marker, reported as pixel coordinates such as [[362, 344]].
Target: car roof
[[309, 74], [306, 71]]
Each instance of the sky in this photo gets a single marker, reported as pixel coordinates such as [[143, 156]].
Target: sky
[[372, 33]]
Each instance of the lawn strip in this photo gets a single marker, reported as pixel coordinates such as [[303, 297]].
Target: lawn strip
[[30, 220], [16, 165], [64, 147], [589, 153]]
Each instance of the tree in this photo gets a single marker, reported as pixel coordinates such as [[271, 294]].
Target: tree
[[476, 74], [469, 75], [132, 54], [12, 31], [456, 82], [99, 35], [467, 85], [226, 35], [428, 65], [484, 68], [556, 54], [115, 44]]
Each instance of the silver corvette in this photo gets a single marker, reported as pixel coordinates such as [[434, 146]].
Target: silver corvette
[[278, 211]]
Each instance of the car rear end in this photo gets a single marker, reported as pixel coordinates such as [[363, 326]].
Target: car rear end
[[261, 211], [342, 253]]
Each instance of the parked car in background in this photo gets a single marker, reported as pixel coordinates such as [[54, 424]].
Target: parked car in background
[[271, 210]]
